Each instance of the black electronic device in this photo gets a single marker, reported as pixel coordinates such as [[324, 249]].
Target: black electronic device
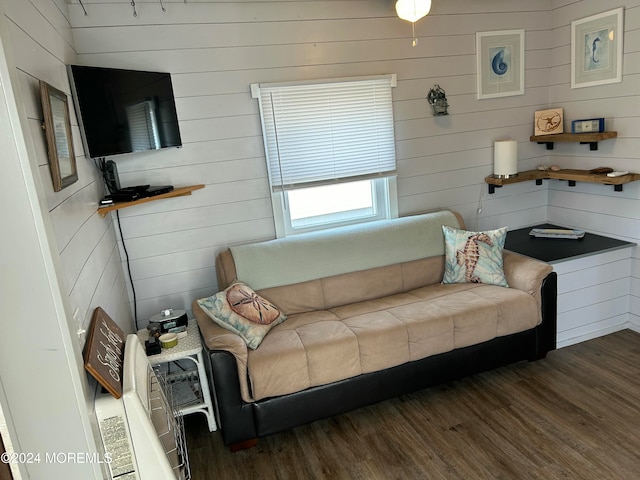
[[152, 346], [170, 321], [110, 175], [121, 196], [157, 190], [124, 111], [135, 188]]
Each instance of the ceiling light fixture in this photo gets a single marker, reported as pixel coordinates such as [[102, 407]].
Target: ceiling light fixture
[[412, 11]]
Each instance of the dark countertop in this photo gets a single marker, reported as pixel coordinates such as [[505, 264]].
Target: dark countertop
[[553, 250]]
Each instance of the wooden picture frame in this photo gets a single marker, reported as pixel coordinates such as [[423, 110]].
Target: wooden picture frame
[[57, 126], [500, 63], [596, 49]]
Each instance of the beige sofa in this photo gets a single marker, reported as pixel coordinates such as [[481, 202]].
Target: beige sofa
[[368, 318]]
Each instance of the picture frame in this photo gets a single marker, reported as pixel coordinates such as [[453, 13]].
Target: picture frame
[[596, 49], [57, 126], [500, 63], [548, 122]]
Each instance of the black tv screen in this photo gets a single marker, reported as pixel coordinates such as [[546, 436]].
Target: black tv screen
[[124, 111]]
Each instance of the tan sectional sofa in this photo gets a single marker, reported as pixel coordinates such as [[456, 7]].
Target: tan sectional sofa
[[368, 319]]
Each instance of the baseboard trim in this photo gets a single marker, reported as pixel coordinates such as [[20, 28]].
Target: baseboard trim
[[634, 327], [595, 334]]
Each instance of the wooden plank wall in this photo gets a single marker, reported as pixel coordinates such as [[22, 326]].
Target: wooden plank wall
[[41, 46], [215, 50], [598, 208]]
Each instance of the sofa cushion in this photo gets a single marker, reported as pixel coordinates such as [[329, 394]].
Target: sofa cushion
[[354, 287], [311, 256], [474, 257], [242, 311]]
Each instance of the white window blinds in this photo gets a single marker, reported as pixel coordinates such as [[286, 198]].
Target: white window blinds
[[143, 127], [335, 131]]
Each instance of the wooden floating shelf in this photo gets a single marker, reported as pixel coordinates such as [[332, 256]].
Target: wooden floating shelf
[[570, 175], [591, 139], [176, 192]]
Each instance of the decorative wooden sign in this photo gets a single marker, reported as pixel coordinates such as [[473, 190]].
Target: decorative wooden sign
[[104, 352], [548, 122]]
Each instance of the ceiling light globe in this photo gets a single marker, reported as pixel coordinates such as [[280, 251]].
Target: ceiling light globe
[[412, 10]]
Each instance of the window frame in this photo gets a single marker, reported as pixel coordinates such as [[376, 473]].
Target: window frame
[[385, 196], [383, 182]]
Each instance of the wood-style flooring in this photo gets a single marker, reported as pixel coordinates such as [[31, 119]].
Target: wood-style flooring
[[573, 415]]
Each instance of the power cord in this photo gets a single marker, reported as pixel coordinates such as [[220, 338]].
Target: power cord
[[112, 185], [126, 254], [479, 209], [109, 173]]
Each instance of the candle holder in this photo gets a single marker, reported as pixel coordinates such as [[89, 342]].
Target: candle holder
[[505, 159]]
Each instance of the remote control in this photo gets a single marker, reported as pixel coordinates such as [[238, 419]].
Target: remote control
[[617, 174]]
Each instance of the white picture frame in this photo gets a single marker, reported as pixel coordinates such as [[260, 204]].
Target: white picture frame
[[596, 49], [500, 63]]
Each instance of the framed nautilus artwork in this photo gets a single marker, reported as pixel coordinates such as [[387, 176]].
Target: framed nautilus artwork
[[500, 59], [596, 49]]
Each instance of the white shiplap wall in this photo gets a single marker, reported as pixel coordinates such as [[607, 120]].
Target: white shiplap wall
[[82, 249], [593, 295], [42, 44], [215, 50], [598, 208]]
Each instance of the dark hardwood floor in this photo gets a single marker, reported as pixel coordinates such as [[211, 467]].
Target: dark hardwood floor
[[574, 415]]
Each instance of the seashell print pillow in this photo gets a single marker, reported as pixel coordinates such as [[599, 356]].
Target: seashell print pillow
[[242, 311], [474, 257]]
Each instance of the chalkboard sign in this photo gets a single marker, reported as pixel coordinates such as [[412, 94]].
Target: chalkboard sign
[[104, 352]]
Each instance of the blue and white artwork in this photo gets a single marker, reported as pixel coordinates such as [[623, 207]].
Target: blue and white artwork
[[501, 64], [597, 50]]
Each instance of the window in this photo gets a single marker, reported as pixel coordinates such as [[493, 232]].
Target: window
[[143, 126], [330, 151]]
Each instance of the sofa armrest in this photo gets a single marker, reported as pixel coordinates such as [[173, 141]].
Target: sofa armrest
[[217, 338], [525, 273]]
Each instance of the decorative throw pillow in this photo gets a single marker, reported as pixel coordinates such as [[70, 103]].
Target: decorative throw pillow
[[242, 311], [474, 257]]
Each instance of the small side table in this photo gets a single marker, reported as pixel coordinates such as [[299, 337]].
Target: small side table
[[188, 348]]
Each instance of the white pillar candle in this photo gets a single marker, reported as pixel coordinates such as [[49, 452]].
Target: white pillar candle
[[505, 158]]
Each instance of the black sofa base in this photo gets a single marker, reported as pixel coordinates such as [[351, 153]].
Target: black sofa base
[[241, 422]]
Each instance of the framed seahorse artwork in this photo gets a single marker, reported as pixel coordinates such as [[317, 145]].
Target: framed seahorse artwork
[[596, 49], [500, 63]]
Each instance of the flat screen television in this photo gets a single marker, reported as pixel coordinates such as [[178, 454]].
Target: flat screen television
[[124, 111]]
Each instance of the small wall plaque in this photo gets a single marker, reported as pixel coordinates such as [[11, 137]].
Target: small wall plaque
[[548, 122]]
